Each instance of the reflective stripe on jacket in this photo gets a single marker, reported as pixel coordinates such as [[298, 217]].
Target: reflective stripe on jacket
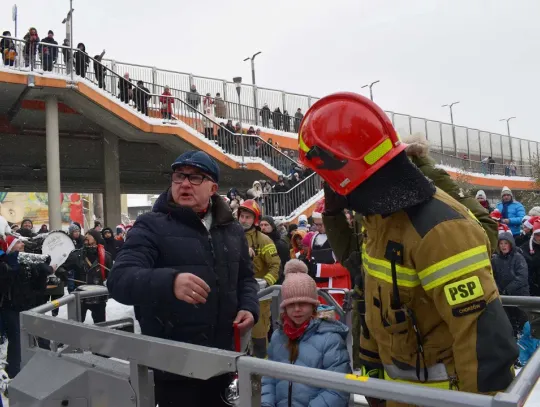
[[266, 261]]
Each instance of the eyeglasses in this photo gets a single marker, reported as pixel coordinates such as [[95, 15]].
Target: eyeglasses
[[194, 179]]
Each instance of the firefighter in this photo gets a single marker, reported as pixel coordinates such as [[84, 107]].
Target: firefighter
[[266, 264], [433, 316]]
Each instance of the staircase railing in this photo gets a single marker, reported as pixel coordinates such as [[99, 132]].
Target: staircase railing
[[171, 110], [287, 203]]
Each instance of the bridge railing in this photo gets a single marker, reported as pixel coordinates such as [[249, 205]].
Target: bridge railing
[[448, 139]]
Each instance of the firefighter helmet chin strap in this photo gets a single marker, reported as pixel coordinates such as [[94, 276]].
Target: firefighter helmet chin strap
[[396, 186], [329, 160]]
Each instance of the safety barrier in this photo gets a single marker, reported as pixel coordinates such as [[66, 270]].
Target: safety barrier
[[143, 353]]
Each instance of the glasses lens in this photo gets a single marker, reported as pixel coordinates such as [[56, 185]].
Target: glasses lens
[[194, 179]]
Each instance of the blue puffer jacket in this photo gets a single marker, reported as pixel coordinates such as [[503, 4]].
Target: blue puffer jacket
[[516, 212], [322, 346], [527, 344]]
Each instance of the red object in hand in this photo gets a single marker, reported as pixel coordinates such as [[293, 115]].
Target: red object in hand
[[237, 340]]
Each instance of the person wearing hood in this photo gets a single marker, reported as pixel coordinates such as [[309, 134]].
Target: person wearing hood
[[531, 252], [74, 232], [303, 223], [193, 285], [265, 114], [43, 229], [298, 116], [527, 344], [30, 47], [49, 53], [414, 264], [220, 108], [255, 192], [511, 276], [112, 245], [266, 264], [512, 211], [286, 121], [482, 200], [277, 118], [297, 236], [82, 60], [305, 340], [141, 95], [89, 266], [193, 97], [268, 227]]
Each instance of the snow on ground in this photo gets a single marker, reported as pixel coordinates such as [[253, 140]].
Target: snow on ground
[[116, 310], [479, 174]]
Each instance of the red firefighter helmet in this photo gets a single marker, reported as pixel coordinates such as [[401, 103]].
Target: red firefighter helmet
[[346, 138], [251, 206]]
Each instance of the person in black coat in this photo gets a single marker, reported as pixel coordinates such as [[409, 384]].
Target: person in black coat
[[269, 228], [82, 60], [277, 118], [141, 94], [511, 276], [22, 287], [531, 252], [186, 266], [112, 245], [100, 70], [126, 88], [49, 54]]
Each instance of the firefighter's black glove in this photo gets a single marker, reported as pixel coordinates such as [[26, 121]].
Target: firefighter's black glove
[[333, 202]]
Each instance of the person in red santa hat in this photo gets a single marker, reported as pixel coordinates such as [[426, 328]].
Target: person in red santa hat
[[323, 265], [502, 228]]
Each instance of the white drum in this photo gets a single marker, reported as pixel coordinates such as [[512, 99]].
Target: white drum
[[58, 246]]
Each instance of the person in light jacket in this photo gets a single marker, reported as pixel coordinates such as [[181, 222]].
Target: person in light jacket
[[305, 340]]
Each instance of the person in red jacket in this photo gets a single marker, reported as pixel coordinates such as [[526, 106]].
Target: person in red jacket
[[324, 268], [166, 102]]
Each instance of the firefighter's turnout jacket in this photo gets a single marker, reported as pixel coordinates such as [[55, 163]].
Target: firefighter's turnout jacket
[[433, 313], [266, 261]]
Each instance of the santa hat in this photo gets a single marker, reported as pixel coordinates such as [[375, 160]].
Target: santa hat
[[507, 191], [502, 228], [3, 246], [319, 209], [298, 285], [316, 215], [120, 229], [536, 230], [528, 221], [496, 214], [308, 239], [481, 195], [11, 241]]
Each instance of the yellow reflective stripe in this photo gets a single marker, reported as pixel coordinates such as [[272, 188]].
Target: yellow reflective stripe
[[378, 152], [270, 279], [301, 145], [454, 267], [269, 248], [381, 269], [445, 384]]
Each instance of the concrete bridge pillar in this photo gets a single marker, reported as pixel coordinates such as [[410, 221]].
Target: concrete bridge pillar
[[111, 169], [52, 144]]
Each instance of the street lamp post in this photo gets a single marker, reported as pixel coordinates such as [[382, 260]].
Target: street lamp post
[[370, 88], [509, 136], [252, 59], [68, 21], [14, 18], [452, 122], [238, 83]]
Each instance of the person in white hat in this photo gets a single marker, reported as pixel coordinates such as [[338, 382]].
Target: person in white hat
[[512, 211]]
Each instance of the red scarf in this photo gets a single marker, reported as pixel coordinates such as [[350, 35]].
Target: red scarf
[[290, 328]]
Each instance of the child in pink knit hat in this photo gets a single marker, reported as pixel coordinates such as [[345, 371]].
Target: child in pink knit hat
[[305, 340]]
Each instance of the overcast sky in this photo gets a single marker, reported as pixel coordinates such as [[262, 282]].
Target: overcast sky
[[485, 54]]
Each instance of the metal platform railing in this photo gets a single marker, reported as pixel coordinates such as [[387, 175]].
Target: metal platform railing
[[144, 353]]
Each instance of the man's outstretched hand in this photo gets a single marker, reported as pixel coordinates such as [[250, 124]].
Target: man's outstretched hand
[[245, 321], [190, 288], [333, 202]]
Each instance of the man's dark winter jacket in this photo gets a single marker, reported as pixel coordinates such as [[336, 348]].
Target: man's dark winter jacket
[[49, 52], [22, 287], [172, 240], [510, 270], [533, 262]]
